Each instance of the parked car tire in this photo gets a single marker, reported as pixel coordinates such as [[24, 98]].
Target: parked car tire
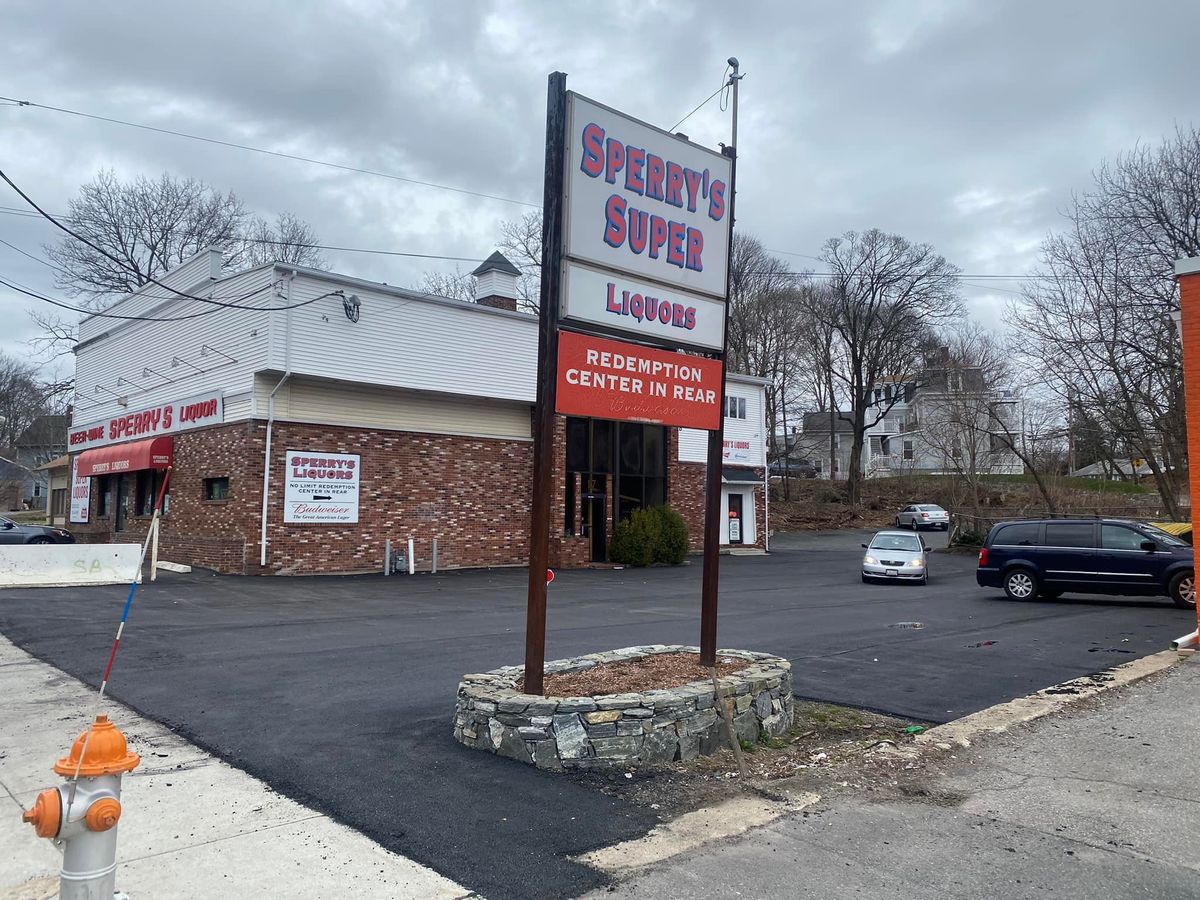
[[1183, 590], [41, 540], [1020, 584]]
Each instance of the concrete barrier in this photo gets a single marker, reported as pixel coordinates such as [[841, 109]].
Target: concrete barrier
[[67, 565]]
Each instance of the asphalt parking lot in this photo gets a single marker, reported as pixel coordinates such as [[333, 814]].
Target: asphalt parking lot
[[339, 691]]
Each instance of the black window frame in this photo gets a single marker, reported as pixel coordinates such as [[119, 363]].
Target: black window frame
[[211, 482]]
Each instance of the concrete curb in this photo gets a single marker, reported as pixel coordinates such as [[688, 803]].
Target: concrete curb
[[692, 830], [1002, 716]]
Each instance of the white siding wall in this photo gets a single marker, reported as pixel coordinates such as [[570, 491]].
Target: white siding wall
[[193, 276], [360, 406], [407, 342], [132, 347], [693, 444]]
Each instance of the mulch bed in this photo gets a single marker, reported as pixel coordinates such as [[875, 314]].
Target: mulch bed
[[657, 671]]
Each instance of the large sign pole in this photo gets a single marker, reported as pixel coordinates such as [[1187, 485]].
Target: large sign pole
[[543, 428], [710, 582]]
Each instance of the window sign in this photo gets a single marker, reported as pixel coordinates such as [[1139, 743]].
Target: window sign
[[81, 495]]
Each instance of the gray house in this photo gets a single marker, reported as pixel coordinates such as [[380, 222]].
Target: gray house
[[44, 440], [813, 443]]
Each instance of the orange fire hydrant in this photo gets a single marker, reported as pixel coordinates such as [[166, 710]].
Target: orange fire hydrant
[[85, 828]]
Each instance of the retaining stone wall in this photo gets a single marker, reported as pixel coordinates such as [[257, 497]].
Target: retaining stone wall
[[617, 730]]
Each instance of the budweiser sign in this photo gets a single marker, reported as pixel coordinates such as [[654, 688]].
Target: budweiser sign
[[167, 418]]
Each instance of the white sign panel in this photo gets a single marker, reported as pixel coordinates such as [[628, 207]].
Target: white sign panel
[[81, 495], [167, 418], [321, 487], [643, 309], [644, 202]]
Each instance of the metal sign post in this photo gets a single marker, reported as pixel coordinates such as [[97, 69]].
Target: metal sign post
[[543, 428]]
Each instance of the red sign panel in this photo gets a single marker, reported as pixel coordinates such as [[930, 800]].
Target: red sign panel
[[609, 379]]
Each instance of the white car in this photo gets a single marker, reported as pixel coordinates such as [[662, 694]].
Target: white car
[[895, 555], [923, 515]]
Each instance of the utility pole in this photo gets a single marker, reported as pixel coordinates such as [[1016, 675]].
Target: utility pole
[[716, 439]]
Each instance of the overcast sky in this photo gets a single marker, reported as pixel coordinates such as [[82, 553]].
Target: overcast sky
[[966, 125]]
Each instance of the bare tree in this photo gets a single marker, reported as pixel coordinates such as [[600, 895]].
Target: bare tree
[[767, 327], [456, 285], [521, 242], [887, 294], [149, 226], [22, 398], [1097, 317], [289, 240]]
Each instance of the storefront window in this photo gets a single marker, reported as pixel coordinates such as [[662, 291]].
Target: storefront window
[[635, 455], [103, 495], [149, 483]]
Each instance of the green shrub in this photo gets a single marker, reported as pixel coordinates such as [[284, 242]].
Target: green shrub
[[658, 534], [673, 544], [969, 538]]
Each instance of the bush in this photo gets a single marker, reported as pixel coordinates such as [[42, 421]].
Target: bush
[[658, 534], [673, 546], [969, 538]]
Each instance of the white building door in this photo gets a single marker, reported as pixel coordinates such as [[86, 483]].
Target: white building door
[[746, 520]]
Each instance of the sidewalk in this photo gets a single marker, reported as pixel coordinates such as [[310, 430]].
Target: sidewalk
[[192, 825], [1099, 801]]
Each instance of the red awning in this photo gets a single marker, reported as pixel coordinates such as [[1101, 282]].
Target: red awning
[[155, 453]]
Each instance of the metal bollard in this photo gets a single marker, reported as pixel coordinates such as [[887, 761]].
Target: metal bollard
[[85, 828]]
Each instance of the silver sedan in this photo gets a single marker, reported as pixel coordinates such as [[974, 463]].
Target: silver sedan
[[895, 555], [923, 515]]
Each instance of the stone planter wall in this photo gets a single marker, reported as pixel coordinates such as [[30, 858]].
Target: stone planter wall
[[620, 729]]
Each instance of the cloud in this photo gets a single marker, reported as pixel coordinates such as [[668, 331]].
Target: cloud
[[964, 125]]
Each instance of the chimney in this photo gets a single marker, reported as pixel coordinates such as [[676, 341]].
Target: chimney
[[496, 283]]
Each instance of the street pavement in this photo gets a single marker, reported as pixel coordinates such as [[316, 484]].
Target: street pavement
[[338, 692], [1098, 802]]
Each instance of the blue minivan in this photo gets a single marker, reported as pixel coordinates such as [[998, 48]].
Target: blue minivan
[[1049, 557]]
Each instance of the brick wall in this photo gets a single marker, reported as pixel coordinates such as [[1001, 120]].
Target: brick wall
[[472, 494]]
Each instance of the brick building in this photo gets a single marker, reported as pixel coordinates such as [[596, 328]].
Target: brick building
[[309, 418]]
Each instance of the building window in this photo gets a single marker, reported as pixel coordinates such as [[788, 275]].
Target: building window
[[878, 395], [735, 407], [58, 502], [149, 483], [635, 455], [103, 495], [37, 489], [908, 451], [216, 488]]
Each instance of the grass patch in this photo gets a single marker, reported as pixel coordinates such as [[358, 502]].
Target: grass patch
[[1094, 485]]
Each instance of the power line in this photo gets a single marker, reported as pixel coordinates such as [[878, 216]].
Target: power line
[[107, 315], [29, 214], [698, 105], [121, 263], [305, 159]]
